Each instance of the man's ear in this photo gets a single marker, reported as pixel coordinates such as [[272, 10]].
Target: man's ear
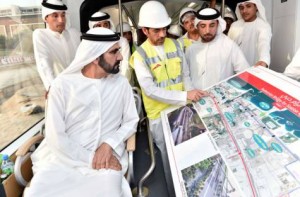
[[96, 61], [145, 30]]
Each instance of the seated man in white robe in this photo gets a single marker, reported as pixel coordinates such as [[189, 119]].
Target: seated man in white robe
[[252, 32], [216, 57], [55, 46], [293, 69], [102, 19], [90, 114]]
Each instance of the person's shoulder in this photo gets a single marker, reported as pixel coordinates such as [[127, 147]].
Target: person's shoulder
[[226, 38], [237, 23], [262, 24], [39, 32], [193, 48], [119, 79], [73, 31]]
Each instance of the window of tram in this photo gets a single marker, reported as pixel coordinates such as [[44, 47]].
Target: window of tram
[[21, 90]]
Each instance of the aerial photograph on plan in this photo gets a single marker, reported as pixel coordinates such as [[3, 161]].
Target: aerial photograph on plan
[[256, 128], [208, 178], [184, 124]]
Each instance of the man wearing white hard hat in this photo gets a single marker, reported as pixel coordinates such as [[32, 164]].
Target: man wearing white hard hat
[[102, 19], [91, 113], [216, 57], [127, 34], [160, 67], [252, 32], [229, 19], [186, 20], [55, 46], [174, 31]]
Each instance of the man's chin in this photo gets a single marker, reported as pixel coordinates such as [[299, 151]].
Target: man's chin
[[116, 70]]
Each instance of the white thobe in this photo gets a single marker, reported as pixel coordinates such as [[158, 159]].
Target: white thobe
[[125, 69], [293, 69], [53, 52], [83, 113], [254, 38], [211, 62]]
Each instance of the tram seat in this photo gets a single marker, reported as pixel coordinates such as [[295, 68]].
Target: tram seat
[[23, 172], [23, 165]]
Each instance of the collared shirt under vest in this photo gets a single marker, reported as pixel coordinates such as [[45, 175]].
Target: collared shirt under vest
[[166, 73]]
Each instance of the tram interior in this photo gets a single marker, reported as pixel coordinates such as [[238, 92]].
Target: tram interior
[[28, 95]]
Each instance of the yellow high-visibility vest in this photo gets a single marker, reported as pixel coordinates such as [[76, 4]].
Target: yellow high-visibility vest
[[167, 74], [185, 43]]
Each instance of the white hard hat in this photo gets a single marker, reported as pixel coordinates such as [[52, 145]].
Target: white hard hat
[[229, 15], [183, 12], [153, 14], [126, 27], [175, 30]]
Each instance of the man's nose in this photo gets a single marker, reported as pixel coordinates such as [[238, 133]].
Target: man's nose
[[120, 57], [61, 19], [162, 33], [206, 29]]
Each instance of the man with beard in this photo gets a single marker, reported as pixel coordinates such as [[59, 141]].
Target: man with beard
[[91, 113], [55, 46], [186, 20], [252, 32], [216, 57], [102, 19], [161, 71]]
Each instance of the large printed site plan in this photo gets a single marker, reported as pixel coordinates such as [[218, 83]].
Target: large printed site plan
[[251, 143]]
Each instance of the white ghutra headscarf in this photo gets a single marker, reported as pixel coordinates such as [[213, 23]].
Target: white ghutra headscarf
[[101, 16], [261, 13], [51, 6], [210, 14], [94, 43]]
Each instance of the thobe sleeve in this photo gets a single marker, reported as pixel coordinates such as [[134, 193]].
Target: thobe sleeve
[[146, 82], [187, 58], [238, 59], [43, 59], [293, 69], [56, 136], [126, 70], [264, 44], [186, 74], [129, 122]]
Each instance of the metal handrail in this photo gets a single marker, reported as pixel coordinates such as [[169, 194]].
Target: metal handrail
[[153, 163], [120, 17]]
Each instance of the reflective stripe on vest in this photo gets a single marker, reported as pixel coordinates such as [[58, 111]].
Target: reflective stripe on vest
[[167, 73]]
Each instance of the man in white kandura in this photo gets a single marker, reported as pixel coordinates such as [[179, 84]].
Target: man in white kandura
[[293, 69], [55, 46], [252, 32], [90, 114], [102, 19], [216, 57]]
